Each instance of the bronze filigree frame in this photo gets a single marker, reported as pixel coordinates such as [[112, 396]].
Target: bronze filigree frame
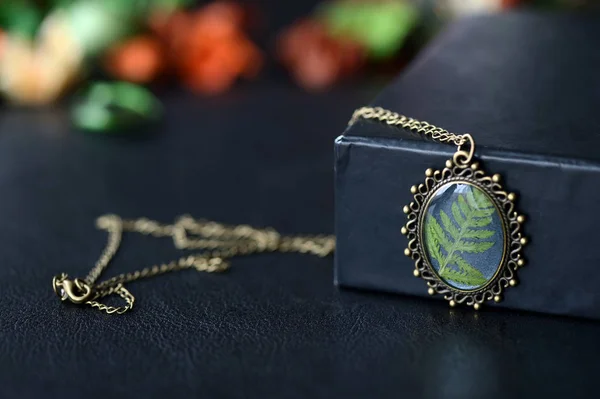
[[512, 222]]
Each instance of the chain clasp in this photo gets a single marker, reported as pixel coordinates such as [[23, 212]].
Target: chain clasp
[[77, 291]]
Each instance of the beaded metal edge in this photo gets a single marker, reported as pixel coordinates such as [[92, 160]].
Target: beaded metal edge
[[512, 222]]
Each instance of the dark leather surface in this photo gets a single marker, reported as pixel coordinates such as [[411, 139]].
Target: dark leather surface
[[274, 326]]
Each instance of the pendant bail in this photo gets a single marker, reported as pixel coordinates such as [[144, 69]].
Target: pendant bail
[[463, 158]]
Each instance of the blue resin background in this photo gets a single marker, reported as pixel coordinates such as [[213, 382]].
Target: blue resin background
[[486, 262]]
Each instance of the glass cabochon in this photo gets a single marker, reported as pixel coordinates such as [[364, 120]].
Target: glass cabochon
[[463, 236]]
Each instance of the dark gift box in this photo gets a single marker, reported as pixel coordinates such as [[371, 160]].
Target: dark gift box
[[527, 87]]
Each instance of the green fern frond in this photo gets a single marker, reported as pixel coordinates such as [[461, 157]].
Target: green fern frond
[[449, 226], [478, 199], [436, 239], [478, 234], [463, 233], [475, 247], [464, 207], [470, 280], [440, 235], [480, 222], [456, 214], [465, 267]]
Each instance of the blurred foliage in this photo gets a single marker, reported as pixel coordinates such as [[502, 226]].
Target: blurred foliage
[[381, 27], [47, 47], [115, 107], [20, 18], [24, 17]]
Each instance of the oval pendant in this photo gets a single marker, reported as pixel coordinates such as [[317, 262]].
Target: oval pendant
[[464, 234]]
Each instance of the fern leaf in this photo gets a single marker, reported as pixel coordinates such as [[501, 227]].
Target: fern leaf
[[439, 234], [484, 212], [456, 214], [435, 238], [473, 201], [462, 278], [480, 222], [475, 247], [478, 234], [480, 205], [454, 276], [466, 268], [464, 207], [481, 198], [463, 233], [478, 200], [449, 226], [434, 250]]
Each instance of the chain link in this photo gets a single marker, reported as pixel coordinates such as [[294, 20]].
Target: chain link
[[421, 127], [217, 243]]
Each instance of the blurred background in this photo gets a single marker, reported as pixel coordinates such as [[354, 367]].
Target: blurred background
[[245, 99], [110, 58]]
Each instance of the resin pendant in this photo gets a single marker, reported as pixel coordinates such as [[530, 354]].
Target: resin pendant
[[464, 234]]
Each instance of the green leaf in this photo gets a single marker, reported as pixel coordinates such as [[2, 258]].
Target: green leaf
[[478, 199], [437, 232], [20, 18], [463, 278], [478, 234], [480, 222], [435, 238], [434, 249], [380, 27], [464, 207], [480, 203], [456, 214], [466, 268], [449, 226], [475, 247], [484, 212], [463, 233]]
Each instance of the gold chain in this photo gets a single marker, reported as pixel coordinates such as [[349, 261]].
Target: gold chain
[[217, 243], [421, 127]]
